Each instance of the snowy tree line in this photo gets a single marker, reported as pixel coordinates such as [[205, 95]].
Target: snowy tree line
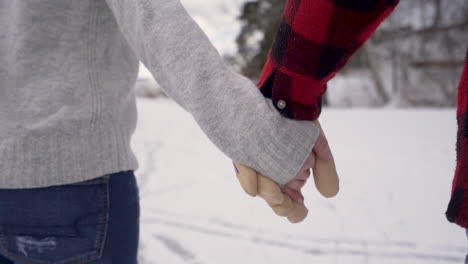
[[414, 59]]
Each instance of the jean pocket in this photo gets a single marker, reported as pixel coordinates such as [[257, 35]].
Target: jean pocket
[[60, 224]]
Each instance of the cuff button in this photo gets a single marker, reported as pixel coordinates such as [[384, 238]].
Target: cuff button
[[281, 104]]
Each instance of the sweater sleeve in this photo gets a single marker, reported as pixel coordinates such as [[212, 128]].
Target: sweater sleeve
[[314, 41], [227, 106]]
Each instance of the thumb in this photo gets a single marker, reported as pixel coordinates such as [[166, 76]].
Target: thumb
[[321, 148], [247, 178], [325, 175]]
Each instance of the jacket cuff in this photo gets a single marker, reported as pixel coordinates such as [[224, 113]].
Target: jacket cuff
[[293, 97]]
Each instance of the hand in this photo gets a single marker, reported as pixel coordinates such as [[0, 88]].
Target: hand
[[291, 205], [255, 184], [326, 179]]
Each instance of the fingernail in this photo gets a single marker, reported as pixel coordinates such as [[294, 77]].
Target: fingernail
[[300, 200]]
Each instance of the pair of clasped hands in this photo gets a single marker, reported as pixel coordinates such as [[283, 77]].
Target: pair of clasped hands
[[288, 201]]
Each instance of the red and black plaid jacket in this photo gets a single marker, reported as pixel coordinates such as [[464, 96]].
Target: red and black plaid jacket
[[314, 41], [457, 211]]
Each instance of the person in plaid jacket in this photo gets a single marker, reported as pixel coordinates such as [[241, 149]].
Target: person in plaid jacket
[[314, 41]]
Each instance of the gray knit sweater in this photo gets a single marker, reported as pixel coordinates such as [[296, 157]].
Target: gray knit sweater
[[67, 105]]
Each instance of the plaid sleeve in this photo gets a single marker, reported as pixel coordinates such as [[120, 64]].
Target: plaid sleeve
[[457, 211], [314, 41]]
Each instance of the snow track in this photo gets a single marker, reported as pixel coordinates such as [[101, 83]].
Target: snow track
[[396, 169]]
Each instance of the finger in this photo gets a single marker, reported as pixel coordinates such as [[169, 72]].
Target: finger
[[296, 184], [303, 175], [294, 194], [247, 178], [309, 162], [284, 208], [326, 178], [298, 213], [321, 148], [269, 190], [325, 175]]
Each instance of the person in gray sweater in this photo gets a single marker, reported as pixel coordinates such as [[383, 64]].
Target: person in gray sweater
[[67, 114]]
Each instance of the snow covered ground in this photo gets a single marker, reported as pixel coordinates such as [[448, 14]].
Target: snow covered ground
[[396, 168]]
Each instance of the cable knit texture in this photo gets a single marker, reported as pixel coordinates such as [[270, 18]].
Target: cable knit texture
[[67, 105]]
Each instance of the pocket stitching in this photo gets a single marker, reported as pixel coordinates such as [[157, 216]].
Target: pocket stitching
[[101, 236]]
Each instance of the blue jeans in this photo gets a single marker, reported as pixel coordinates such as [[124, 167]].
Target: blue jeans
[[94, 222]]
